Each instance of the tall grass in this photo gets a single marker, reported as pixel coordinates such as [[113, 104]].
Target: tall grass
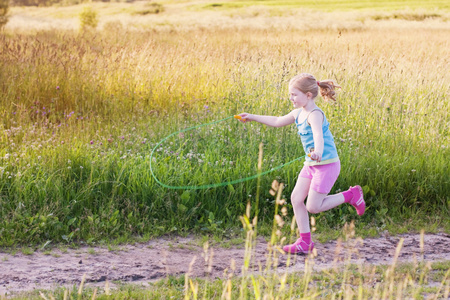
[[331, 5], [81, 112]]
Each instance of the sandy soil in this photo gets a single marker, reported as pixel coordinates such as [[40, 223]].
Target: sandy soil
[[156, 259]]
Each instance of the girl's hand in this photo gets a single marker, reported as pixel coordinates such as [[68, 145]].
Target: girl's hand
[[316, 156], [244, 117]]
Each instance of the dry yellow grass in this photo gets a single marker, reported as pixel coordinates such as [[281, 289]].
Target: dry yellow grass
[[185, 15]]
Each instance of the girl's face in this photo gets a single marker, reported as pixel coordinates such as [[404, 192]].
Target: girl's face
[[298, 98]]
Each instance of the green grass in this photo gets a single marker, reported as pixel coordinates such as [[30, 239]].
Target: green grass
[[81, 118], [82, 112], [27, 251], [417, 279]]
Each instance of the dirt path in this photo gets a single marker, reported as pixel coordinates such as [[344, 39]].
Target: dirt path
[[154, 260]]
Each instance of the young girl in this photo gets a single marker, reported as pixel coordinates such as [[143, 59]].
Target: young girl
[[322, 167]]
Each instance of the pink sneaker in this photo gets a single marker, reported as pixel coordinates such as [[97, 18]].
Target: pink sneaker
[[358, 200], [299, 247]]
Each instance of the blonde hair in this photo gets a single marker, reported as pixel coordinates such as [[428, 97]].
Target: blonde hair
[[307, 83]]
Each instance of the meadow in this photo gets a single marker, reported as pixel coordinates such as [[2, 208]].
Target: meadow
[[82, 111]]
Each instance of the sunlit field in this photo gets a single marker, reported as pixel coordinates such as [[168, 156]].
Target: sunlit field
[[82, 110], [81, 113]]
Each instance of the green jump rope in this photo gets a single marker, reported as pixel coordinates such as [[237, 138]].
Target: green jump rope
[[214, 185]]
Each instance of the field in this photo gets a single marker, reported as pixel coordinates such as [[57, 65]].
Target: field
[[82, 111]]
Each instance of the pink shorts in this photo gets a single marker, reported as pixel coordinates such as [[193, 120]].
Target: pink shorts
[[322, 177]]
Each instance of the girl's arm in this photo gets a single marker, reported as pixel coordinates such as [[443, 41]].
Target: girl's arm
[[270, 120], [315, 119]]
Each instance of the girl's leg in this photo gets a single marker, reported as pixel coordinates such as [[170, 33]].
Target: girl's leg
[[323, 179], [298, 197], [318, 202]]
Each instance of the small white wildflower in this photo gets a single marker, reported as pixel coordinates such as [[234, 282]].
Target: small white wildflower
[[69, 167], [81, 167]]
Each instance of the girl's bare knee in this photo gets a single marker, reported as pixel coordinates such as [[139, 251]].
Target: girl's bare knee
[[312, 208], [297, 202], [315, 201]]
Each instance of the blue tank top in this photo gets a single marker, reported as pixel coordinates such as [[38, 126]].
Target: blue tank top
[[329, 154]]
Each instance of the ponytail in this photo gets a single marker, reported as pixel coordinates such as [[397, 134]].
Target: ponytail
[[326, 88]]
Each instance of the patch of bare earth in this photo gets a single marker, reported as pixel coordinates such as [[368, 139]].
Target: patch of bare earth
[[156, 259]]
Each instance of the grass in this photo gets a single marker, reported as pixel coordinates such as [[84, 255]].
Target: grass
[[27, 251], [417, 280], [189, 15], [353, 281], [332, 5], [81, 114]]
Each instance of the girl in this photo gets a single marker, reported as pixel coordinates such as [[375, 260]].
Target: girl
[[322, 166]]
